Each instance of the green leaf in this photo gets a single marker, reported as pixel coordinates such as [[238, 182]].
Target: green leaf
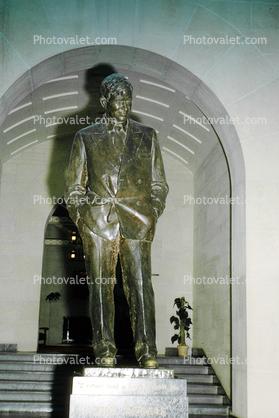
[[174, 338], [174, 319], [177, 302]]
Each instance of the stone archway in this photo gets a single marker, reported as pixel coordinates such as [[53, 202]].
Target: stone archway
[[161, 70]]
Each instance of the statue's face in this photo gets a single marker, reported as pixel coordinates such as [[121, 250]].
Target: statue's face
[[119, 107]]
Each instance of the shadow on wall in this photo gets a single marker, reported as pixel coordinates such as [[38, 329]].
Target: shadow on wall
[[62, 142]]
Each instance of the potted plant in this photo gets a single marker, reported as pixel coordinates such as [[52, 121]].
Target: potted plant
[[182, 322]]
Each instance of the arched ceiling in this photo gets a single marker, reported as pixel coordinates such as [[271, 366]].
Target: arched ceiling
[[63, 105]]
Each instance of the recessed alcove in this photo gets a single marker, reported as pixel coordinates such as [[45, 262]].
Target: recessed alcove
[[202, 159]]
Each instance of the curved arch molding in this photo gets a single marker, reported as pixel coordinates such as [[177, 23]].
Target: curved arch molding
[[160, 69]]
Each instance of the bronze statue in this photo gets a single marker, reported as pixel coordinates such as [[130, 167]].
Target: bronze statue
[[116, 191]]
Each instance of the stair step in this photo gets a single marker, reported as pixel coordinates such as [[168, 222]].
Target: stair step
[[17, 385], [173, 352], [205, 399], [165, 361], [214, 410], [39, 358], [47, 407], [205, 388], [191, 369], [17, 366], [45, 396], [27, 407], [198, 378], [193, 416], [36, 396], [30, 376], [14, 385], [42, 383]]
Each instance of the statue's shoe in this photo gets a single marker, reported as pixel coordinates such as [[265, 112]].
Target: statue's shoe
[[148, 362], [106, 361]]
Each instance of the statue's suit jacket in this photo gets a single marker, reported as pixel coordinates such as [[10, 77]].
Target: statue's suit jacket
[[112, 192]]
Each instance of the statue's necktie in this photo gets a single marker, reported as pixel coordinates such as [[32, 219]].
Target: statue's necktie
[[119, 139]]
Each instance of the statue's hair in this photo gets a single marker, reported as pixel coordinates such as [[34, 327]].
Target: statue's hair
[[115, 85]]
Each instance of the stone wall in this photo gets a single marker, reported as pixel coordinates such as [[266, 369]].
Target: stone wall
[[212, 265]]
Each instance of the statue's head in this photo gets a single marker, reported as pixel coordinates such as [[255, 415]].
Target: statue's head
[[116, 97], [115, 85]]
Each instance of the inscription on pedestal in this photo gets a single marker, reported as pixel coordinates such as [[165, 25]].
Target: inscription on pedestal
[[128, 387], [128, 372], [128, 393], [88, 406]]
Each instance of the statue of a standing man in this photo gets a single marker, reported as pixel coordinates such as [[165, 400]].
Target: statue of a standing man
[[116, 191]]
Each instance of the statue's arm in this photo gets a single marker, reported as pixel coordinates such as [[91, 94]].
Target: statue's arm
[[159, 186], [77, 178]]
